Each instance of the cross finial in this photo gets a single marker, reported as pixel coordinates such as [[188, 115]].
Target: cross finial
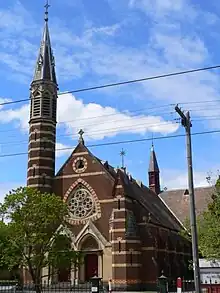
[[46, 10], [152, 145], [81, 132], [122, 154]]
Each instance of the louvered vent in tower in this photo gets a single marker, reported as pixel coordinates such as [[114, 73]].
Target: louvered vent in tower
[[46, 107], [36, 103], [54, 108]]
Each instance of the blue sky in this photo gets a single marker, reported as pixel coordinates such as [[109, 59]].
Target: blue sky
[[112, 41]]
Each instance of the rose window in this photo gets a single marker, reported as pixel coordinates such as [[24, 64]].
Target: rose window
[[81, 204]]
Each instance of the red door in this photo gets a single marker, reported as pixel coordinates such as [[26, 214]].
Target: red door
[[91, 266]]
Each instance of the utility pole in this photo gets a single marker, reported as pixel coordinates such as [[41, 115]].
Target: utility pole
[[186, 122]]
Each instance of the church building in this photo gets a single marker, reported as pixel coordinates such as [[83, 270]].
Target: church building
[[125, 229]]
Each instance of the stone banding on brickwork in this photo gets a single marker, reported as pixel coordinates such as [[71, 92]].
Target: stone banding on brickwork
[[42, 158], [79, 175]]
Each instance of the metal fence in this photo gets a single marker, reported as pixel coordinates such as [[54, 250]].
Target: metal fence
[[68, 287], [188, 286]]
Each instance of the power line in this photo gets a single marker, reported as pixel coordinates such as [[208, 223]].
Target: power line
[[140, 111], [104, 131], [121, 142], [125, 112], [124, 83]]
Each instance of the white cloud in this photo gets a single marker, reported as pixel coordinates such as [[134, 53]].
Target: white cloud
[[167, 48], [178, 179], [96, 121], [62, 150]]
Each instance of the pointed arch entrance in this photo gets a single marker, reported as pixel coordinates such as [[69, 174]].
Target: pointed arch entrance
[[90, 247]]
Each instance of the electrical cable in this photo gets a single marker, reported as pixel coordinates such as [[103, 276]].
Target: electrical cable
[[124, 83], [121, 142]]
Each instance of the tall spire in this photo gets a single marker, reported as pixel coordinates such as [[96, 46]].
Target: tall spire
[[43, 116], [154, 172], [45, 66]]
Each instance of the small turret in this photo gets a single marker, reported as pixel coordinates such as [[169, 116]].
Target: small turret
[[154, 172]]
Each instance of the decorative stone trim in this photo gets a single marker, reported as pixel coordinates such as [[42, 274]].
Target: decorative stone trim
[[43, 123], [119, 230], [77, 170], [40, 149], [111, 200], [127, 241], [42, 132], [126, 265], [39, 167], [118, 186], [39, 176], [125, 252], [94, 216], [80, 154], [40, 185], [41, 139], [40, 158], [79, 175]]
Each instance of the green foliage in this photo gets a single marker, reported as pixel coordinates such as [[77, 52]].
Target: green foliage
[[209, 228], [31, 238]]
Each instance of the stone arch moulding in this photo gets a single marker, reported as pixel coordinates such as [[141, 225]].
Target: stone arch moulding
[[90, 230], [83, 241], [96, 214]]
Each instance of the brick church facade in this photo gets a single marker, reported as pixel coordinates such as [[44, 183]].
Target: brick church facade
[[126, 231]]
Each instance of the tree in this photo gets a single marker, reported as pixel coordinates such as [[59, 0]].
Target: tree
[[7, 252], [32, 232], [209, 228]]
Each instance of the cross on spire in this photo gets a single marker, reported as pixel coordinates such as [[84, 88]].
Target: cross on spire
[[122, 154], [46, 10], [81, 140]]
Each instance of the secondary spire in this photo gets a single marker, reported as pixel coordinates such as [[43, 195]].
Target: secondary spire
[[153, 165]]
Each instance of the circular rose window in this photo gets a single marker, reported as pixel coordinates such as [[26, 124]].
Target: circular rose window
[[81, 204]]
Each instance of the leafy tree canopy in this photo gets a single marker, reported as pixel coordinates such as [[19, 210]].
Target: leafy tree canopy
[[209, 228], [31, 237]]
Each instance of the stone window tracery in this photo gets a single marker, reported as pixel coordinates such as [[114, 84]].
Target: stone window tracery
[[81, 204]]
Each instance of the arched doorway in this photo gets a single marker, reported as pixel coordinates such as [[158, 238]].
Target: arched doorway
[[90, 248]]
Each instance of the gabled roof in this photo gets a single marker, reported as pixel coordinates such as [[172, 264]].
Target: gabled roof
[[82, 148], [178, 201], [159, 213]]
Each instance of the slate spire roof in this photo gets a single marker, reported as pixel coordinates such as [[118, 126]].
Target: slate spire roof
[[153, 165], [45, 66]]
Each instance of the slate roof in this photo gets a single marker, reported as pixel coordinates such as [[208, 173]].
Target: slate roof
[[160, 214], [178, 201]]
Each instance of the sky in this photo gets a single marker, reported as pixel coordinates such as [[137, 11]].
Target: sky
[[106, 42]]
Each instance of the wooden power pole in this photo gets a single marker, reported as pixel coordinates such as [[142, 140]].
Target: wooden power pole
[[186, 122]]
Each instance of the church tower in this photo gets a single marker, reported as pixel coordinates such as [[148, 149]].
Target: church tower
[[43, 112], [154, 173]]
